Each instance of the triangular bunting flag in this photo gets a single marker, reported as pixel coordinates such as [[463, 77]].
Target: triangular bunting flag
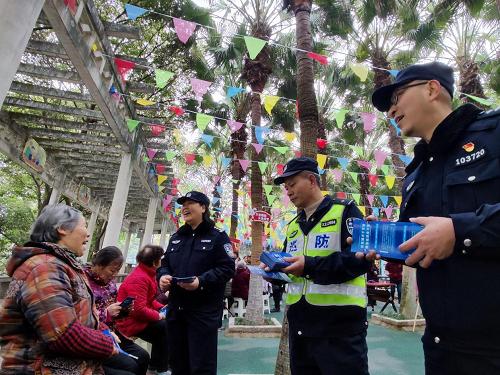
[[259, 133], [123, 67], [233, 91], [161, 179], [208, 139], [384, 199], [225, 162], [244, 164], [262, 166], [160, 168], [184, 29], [340, 117], [365, 164], [358, 150], [370, 198], [289, 137], [380, 157], [385, 169], [363, 210], [200, 88], [254, 46], [162, 77], [215, 200], [322, 59], [321, 143], [398, 199], [337, 175], [389, 180], [354, 176], [280, 168], [268, 189], [269, 102], [202, 120], [393, 72], [369, 121], [258, 147], [156, 130], [388, 212], [234, 125], [132, 124], [145, 102], [360, 70], [133, 11], [356, 197], [485, 102], [395, 125], [151, 153], [376, 211], [271, 199], [405, 159], [169, 155], [343, 163], [71, 4], [282, 150], [190, 158], [321, 159], [207, 160], [373, 178], [178, 111]]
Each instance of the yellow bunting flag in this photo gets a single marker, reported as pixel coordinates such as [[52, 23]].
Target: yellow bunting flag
[[290, 137], [324, 192], [363, 210], [321, 159], [161, 179], [177, 135], [94, 47], [207, 160], [145, 102], [360, 70], [389, 180], [267, 230], [398, 199], [269, 102]]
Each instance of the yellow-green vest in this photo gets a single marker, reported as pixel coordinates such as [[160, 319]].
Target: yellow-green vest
[[323, 240]]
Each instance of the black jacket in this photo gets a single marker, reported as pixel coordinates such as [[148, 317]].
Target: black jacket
[[329, 321], [204, 253], [457, 175]]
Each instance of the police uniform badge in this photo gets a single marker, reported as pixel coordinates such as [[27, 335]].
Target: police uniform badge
[[228, 248]]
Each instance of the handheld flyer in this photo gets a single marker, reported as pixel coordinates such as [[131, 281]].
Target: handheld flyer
[[107, 332], [275, 260], [269, 275]]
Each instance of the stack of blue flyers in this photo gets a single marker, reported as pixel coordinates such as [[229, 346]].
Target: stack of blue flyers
[[384, 237], [274, 260], [269, 275]]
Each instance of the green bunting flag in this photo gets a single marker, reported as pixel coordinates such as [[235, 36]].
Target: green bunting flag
[[169, 155], [254, 46], [358, 150], [340, 117], [360, 70], [271, 199], [486, 102], [202, 120], [282, 150], [385, 169], [262, 166], [162, 77], [268, 189], [356, 197], [132, 124], [354, 176]]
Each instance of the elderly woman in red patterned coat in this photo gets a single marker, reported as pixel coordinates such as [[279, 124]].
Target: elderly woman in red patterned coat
[[48, 322]]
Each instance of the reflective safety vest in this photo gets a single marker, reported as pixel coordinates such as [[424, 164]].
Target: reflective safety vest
[[323, 240]]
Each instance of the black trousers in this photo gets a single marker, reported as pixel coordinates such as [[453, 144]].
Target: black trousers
[[193, 342], [156, 334], [121, 364], [277, 296], [440, 361], [329, 355]]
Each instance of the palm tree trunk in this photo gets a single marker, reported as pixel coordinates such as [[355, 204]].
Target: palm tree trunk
[[283, 360], [306, 96], [469, 80]]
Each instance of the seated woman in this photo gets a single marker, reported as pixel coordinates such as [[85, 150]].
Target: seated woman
[[47, 324], [145, 321], [105, 266]]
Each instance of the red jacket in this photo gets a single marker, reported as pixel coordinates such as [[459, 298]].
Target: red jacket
[[240, 285], [141, 284], [395, 271]]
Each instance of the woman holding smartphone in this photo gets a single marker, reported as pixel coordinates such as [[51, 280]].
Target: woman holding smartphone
[[106, 264], [145, 320], [196, 266]]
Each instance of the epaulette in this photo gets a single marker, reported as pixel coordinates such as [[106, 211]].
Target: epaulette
[[345, 202], [490, 113]]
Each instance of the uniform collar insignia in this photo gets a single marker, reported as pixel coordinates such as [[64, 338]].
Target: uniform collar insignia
[[469, 147]]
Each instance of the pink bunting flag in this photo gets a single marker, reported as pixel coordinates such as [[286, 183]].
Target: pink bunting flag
[[151, 153], [373, 179], [175, 181], [258, 147], [244, 164], [71, 4], [184, 29], [160, 168], [369, 120], [380, 157], [234, 125], [322, 59], [365, 164], [279, 168], [167, 200], [337, 174], [124, 66], [156, 130], [388, 211], [200, 88], [370, 198], [286, 199], [190, 158], [298, 154]]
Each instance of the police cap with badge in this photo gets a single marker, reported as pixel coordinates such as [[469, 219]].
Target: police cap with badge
[[440, 72], [195, 196], [295, 166]]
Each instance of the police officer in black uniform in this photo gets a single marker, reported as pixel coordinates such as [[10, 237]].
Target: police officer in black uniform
[[195, 268], [452, 187]]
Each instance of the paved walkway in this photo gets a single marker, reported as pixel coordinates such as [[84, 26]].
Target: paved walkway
[[390, 352]]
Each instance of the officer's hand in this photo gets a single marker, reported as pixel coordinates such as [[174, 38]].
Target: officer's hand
[[297, 266], [370, 256], [165, 282], [435, 241], [190, 286], [264, 267]]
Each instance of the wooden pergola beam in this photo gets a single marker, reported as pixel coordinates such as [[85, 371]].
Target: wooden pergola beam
[[40, 121], [122, 31], [58, 145], [44, 72], [48, 92], [83, 112], [71, 136]]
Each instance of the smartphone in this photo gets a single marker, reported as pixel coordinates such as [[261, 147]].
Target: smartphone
[[127, 302]]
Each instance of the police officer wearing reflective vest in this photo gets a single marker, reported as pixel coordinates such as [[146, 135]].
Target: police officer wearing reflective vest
[[452, 188], [195, 268], [327, 298]]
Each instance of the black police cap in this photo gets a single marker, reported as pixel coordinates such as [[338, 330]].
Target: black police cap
[[381, 98], [195, 196], [295, 166]]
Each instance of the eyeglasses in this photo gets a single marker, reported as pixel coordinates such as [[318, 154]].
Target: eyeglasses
[[397, 93]]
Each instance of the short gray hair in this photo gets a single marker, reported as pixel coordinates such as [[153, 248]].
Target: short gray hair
[[52, 218]]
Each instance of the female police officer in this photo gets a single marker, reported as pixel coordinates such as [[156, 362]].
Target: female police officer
[[195, 268]]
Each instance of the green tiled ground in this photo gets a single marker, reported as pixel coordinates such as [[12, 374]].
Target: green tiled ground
[[390, 352]]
